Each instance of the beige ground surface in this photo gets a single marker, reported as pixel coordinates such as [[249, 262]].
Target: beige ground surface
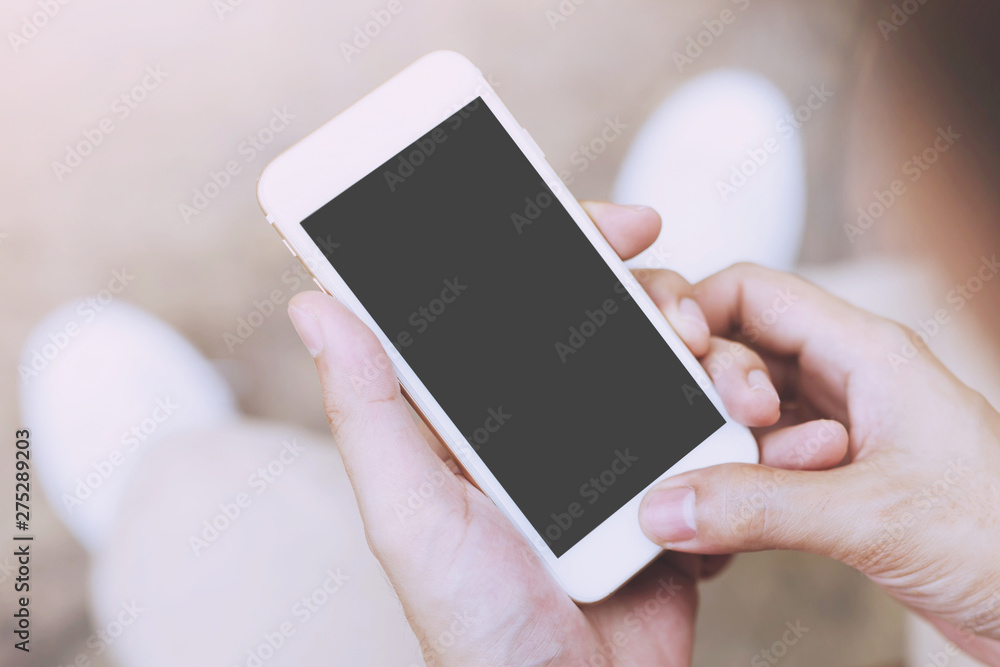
[[60, 240]]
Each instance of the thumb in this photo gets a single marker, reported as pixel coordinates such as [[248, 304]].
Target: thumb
[[738, 507], [386, 456]]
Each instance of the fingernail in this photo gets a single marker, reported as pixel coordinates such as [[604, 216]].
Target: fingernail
[[758, 381], [691, 311], [308, 328], [668, 515], [638, 207]]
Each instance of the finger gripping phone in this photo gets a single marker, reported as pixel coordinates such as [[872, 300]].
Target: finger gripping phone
[[513, 327]]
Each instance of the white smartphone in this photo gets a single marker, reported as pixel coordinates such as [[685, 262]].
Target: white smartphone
[[514, 329]]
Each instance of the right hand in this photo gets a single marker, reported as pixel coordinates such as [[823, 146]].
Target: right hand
[[915, 505]]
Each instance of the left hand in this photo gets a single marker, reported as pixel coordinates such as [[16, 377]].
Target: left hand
[[473, 590]]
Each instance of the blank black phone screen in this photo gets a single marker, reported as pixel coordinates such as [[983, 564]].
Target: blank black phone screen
[[516, 325]]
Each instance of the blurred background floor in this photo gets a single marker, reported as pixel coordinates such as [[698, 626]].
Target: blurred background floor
[[223, 76]]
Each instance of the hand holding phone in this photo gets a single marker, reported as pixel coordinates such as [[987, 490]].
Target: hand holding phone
[[514, 328], [472, 586]]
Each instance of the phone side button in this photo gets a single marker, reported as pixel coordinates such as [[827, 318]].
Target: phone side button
[[321, 288], [285, 241]]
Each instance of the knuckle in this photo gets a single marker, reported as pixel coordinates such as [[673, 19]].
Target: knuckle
[[362, 384], [652, 278], [750, 271], [890, 331], [724, 355], [420, 537], [375, 540], [664, 286], [739, 273], [885, 335], [984, 410], [753, 516], [745, 268], [336, 416]]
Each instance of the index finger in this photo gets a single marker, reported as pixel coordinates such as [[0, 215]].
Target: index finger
[[628, 229], [786, 315]]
